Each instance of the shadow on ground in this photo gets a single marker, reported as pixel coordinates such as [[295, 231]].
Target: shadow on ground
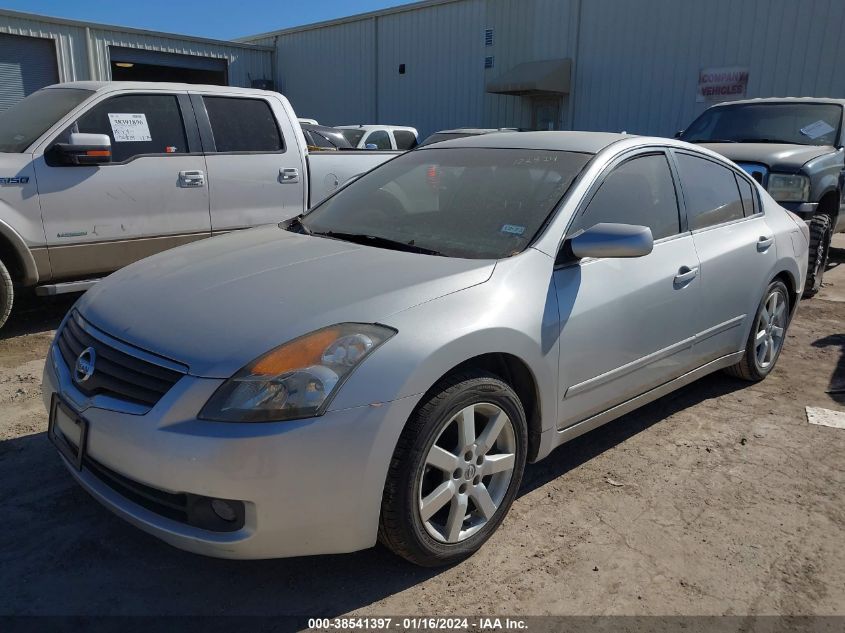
[[62, 553], [31, 314]]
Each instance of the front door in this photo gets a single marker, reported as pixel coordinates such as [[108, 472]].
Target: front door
[[627, 323], [100, 218], [255, 168], [545, 113]]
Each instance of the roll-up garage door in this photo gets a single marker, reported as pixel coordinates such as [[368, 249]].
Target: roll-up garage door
[[26, 64], [134, 64]]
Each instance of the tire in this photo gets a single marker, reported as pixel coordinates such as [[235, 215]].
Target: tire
[[821, 231], [751, 367], [441, 418], [7, 294]]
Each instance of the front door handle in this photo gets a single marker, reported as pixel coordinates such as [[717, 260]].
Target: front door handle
[[764, 242], [289, 175], [193, 178], [685, 274]]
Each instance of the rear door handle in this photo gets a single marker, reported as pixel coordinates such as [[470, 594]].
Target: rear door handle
[[764, 242], [193, 178], [289, 175], [686, 274]]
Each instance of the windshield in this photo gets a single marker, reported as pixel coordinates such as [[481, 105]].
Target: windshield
[[353, 136], [24, 122], [796, 123], [460, 202]]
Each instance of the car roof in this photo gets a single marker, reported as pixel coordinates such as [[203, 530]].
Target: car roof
[[590, 142], [824, 100], [376, 127], [476, 130], [153, 85]]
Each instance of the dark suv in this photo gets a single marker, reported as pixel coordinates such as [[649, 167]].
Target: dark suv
[[794, 148]]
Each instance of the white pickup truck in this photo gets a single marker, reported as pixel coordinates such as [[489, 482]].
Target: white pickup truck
[[94, 176]]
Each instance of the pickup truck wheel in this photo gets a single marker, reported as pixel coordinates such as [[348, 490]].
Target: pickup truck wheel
[[821, 231], [7, 293], [455, 471], [767, 336]]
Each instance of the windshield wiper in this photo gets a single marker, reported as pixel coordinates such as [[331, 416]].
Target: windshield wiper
[[378, 242], [713, 140], [769, 140]]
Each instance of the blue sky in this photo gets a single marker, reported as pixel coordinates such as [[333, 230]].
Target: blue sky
[[207, 18]]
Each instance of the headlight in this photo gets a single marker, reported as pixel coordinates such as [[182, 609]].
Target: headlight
[[296, 379], [789, 187]]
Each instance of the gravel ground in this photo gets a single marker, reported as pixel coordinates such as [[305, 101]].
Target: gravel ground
[[717, 499]]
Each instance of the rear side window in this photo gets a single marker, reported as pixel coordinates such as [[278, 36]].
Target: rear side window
[[710, 192], [243, 125], [404, 139], [136, 124], [380, 139], [746, 194], [641, 192]]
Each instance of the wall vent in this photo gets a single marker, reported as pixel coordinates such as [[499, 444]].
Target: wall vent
[[488, 37], [488, 61]]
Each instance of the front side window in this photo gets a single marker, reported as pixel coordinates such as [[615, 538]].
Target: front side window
[[640, 192], [24, 122], [404, 139], [136, 124], [243, 125], [461, 202], [379, 138], [710, 192]]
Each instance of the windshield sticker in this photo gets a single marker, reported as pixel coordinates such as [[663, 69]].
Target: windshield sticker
[[513, 229], [130, 128], [817, 129]]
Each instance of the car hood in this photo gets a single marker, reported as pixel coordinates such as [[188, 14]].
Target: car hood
[[217, 304], [779, 157]]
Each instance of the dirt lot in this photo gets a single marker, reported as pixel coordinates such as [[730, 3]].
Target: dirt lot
[[718, 499]]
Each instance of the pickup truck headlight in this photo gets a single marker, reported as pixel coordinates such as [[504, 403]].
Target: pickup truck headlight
[[297, 379], [789, 187]]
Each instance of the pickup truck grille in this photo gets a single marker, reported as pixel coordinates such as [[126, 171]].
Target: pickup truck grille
[[117, 373]]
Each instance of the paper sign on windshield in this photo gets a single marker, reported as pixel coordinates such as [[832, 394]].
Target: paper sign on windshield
[[817, 129], [130, 128]]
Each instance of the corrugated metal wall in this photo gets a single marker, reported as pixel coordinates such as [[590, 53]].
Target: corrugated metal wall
[[636, 61], [245, 61]]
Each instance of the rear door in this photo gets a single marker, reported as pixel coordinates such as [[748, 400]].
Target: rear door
[[736, 249], [628, 324], [256, 171], [151, 197]]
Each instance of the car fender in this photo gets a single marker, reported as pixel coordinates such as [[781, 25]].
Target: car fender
[[29, 269]]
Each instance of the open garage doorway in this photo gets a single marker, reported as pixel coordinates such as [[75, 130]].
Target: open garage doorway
[[132, 64]]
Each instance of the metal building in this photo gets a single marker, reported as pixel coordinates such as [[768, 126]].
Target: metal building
[[36, 51], [644, 66]]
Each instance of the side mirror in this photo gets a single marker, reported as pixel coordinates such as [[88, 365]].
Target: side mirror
[[84, 149], [370, 146], [611, 240], [678, 133]]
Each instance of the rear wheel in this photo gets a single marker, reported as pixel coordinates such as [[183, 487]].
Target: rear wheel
[[455, 472], [821, 231], [7, 294], [767, 336]]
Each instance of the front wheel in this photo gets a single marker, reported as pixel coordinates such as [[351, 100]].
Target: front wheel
[[455, 471], [767, 336], [821, 232], [7, 294]]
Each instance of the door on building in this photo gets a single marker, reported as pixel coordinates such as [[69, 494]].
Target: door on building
[[545, 113], [27, 64], [151, 197], [133, 64]]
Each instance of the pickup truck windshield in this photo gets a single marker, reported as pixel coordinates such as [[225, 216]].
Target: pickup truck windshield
[[795, 123], [353, 136], [458, 202], [25, 121]]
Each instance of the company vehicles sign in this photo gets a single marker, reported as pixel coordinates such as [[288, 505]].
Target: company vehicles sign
[[722, 84]]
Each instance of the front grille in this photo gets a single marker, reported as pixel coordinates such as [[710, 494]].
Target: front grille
[[116, 373]]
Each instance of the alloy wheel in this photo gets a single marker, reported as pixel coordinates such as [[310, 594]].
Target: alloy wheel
[[771, 327], [466, 473]]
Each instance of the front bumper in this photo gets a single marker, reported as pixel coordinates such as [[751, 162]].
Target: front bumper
[[804, 210], [309, 486]]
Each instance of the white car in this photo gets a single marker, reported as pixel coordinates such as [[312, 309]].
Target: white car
[[384, 137]]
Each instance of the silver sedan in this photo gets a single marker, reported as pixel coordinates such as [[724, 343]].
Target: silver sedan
[[384, 366]]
